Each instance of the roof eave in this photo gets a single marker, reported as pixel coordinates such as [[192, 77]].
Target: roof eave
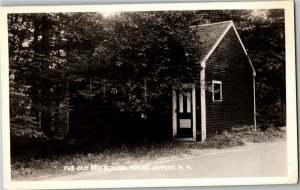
[[203, 61], [237, 34], [209, 24]]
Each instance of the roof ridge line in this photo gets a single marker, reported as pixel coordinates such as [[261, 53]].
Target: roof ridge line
[[210, 24]]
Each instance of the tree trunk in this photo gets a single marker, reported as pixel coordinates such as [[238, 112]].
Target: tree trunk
[[36, 87], [46, 82]]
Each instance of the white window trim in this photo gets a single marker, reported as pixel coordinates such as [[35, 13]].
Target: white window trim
[[213, 90]]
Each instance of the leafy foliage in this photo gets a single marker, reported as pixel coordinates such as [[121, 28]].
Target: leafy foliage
[[127, 63], [23, 126]]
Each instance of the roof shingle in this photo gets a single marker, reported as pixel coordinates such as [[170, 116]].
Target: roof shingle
[[209, 34]]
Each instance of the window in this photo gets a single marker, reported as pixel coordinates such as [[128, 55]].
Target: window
[[217, 90], [185, 99]]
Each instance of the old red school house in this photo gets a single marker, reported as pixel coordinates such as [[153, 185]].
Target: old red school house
[[227, 94]]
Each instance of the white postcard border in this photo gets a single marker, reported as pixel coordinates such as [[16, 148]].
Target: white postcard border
[[290, 96]]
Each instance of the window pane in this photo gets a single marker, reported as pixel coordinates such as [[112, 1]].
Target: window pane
[[185, 123], [188, 102], [180, 102], [217, 91]]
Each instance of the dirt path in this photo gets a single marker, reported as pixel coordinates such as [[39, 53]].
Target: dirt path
[[252, 160]]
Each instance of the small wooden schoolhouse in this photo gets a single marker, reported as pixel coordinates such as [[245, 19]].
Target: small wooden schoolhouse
[[227, 94]]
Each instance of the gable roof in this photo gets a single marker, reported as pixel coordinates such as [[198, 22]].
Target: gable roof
[[211, 35]]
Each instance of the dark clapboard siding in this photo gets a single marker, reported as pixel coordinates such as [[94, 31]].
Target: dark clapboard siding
[[229, 64]]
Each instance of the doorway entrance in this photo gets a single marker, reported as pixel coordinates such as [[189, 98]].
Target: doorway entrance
[[185, 103]]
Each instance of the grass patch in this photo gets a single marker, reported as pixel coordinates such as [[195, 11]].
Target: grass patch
[[117, 155], [32, 165], [249, 134], [238, 136]]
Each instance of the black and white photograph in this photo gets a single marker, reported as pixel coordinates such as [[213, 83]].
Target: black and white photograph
[[149, 95]]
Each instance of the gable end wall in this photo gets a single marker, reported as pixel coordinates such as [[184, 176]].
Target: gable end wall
[[229, 64]]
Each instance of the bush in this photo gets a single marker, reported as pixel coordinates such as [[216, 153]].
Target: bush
[[270, 116], [227, 139], [240, 134], [24, 130], [23, 127]]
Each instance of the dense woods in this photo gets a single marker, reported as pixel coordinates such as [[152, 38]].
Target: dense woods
[[105, 70]]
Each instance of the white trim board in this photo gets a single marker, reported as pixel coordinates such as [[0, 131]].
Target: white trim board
[[231, 24], [217, 42], [209, 24], [213, 89], [203, 103], [174, 114], [237, 34]]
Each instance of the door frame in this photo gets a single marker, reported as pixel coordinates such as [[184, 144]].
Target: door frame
[[174, 108]]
